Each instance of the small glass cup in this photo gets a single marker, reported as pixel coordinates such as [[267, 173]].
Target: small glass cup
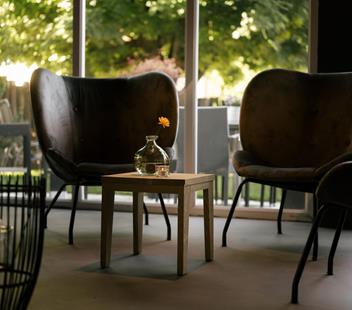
[[162, 170]]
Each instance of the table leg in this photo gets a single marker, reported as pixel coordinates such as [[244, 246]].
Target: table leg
[[137, 222], [208, 203], [107, 214], [184, 201]]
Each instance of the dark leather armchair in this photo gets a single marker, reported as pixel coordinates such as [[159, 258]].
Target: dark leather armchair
[[334, 193], [294, 127], [91, 127]]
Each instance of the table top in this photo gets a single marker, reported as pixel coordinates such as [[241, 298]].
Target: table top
[[180, 179]]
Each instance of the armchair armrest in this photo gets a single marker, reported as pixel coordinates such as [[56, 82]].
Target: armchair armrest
[[335, 187]]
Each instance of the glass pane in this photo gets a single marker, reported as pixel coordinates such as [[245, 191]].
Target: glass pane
[[128, 37], [32, 34], [237, 40], [240, 38]]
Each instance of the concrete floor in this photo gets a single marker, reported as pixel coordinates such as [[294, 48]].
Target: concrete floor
[[255, 271]]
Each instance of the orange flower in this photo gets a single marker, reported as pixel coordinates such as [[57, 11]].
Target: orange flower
[[164, 121]]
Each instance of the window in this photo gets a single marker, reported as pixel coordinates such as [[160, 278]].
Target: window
[[236, 40], [32, 33]]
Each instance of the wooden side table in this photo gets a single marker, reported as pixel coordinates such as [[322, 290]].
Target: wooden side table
[[182, 184]]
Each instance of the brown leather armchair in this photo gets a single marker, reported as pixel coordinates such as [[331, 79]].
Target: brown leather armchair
[[294, 127], [89, 127]]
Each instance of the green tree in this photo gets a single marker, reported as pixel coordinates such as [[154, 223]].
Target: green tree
[[33, 31], [260, 34]]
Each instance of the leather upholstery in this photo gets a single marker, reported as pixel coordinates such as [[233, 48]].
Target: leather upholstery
[[294, 126], [335, 187], [88, 127]]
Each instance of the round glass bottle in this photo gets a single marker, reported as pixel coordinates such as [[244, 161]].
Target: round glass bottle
[[150, 156]]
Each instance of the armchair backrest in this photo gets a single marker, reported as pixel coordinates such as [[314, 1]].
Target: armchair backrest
[[102, 120], [293, 119]]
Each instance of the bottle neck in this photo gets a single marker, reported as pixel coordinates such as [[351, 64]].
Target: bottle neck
[[151, 139]]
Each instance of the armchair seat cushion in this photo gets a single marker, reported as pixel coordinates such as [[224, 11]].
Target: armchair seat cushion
[[99, 169], [248, 166], [91, 171]]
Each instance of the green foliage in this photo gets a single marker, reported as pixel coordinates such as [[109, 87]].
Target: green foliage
[[261, 34], [127, 31], [33, 31]]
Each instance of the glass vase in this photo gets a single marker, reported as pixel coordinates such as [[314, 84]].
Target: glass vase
[[149, 157]]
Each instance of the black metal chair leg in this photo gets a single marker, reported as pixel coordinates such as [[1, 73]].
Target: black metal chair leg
[[272, 195], [166, 217], [52, 203], [225, 188], [279, 215], [316, 239], [302, 262], [73, 213], [262, 191], [246, 195], [216, 188], [335, 242], [232, 210], [146, 214]]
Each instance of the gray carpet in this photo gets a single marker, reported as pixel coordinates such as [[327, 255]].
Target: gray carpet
[[255, 271]]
